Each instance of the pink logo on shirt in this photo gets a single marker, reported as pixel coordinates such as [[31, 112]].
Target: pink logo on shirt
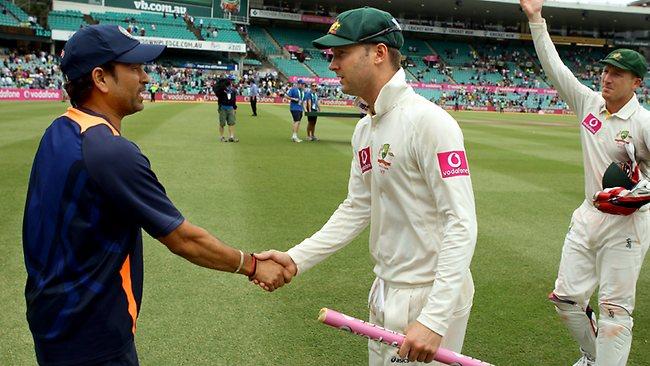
[[592, 124], [364, 159], [453, 163]]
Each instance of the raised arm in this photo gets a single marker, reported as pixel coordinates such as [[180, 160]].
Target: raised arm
[[568, 86]]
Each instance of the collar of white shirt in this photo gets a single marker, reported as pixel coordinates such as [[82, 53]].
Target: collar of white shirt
[[391, 93], [626, 112]]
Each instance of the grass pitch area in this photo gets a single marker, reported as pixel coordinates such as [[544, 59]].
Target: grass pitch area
[[266, 192]]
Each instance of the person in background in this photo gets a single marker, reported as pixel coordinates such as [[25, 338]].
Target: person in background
[[296, 96], [312, 106], [227, 107], [254, 93]]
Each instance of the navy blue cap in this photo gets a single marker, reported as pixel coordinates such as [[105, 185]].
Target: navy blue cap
[[96, 45]]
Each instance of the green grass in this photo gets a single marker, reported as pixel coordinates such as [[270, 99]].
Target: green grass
[[266, 192]]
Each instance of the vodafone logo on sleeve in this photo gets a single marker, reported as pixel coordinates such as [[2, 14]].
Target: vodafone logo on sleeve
[[452, 164], [592, 124], [365, 162]]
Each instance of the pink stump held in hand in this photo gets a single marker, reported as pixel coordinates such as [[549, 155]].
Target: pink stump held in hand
[[376, 333]]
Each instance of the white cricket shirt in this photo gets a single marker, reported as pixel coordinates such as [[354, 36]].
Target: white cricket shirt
[[410, 180], [603, 135]]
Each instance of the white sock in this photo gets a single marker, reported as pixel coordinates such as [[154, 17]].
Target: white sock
[[294, 136]]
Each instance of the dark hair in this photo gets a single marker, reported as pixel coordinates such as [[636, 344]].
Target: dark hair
[[80, 88], [395, 58]]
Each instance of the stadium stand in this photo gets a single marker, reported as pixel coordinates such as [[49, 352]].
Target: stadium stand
[[7, 19], [316, 65], [431, 94], [30, 71], [252, 62], [453, 53], [416, 47], [320, 65], [263, 41], [217, 30], [229, 36], [65, 20], [147, 24], [580, 60], [291, 67], [214, 23], [421, 72], [14, 11], [180, 80], [473, 62], [288, 36]]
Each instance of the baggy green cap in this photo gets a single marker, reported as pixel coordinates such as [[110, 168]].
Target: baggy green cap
[[627, 59], [362, 25]]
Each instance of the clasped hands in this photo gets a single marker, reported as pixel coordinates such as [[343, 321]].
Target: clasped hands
[[274, 270]]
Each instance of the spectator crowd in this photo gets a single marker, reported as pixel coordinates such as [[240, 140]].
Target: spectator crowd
[[40, 70]]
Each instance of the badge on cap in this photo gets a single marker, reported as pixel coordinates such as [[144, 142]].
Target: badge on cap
[[125, 32], [334, 27], [617, 56]]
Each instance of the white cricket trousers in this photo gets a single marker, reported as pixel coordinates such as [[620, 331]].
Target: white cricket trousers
[[603, 250], [395, 306]]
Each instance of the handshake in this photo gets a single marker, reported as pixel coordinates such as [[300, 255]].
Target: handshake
[[274, 270]]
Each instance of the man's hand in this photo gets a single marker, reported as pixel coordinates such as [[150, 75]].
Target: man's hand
[[420, 344], [281, 259], [533, 9], [271, 275]]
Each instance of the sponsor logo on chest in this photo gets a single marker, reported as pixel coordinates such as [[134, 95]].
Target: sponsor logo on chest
[[452, 164], [592, 124], [365, 160]]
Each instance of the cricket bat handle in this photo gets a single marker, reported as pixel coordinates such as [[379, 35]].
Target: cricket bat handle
[[376, 333]]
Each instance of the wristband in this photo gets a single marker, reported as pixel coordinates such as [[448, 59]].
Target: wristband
[[241, 261], [254, 269]]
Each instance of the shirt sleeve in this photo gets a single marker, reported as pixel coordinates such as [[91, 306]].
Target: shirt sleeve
[[440, 154], [124, 174], [349, 219], [644, 164], [307, 99], [568, 86]]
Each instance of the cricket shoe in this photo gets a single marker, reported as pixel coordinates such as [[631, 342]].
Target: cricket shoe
[[223, 139], [295, 139], [233, 139], [585, 360]]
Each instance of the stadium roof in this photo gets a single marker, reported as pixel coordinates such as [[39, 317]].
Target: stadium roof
[[558, 14]]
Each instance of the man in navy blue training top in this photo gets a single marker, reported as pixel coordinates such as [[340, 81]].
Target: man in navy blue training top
[[91, 191], [296, 107]]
